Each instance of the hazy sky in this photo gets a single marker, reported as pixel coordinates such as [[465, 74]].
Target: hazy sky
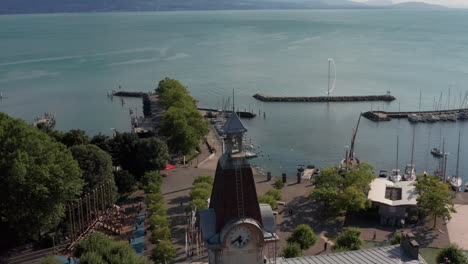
[[450, 3]]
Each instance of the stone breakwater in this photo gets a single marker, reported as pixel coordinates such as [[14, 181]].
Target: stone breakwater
[[357, 98]]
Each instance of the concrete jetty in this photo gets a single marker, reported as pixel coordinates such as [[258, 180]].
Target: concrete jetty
[[357, 98], [387, 116]]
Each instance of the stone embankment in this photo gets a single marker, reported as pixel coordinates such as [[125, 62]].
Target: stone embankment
[[358, 98], [129, 94]]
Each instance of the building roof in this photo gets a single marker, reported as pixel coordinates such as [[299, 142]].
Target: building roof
[[378, 190], [379, 255], [234, 124]]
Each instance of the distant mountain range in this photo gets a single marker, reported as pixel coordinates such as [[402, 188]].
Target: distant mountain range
[[57, 6]]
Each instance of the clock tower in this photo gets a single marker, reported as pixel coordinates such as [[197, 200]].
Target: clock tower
[[236, 228]]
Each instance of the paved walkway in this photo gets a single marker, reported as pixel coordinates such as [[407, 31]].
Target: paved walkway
[[457, 227]]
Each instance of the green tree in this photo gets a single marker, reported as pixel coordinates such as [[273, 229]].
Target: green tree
[[95, 164], [157, 221], [196, 203], [452, 253], [100, 249], [152, 181], [204, 178], [124, 181], [102, 141], [268, 199], [275, 193], [124, 149], [349, 239], [39, 177], [199, 193], [396, 239], [304, 236], [160, 233], [164, 252], [75, 137], [435, 198], [343, 191], [292, 250], [151, 155]]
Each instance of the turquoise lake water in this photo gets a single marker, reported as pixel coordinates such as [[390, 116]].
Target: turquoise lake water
[[66, 63]]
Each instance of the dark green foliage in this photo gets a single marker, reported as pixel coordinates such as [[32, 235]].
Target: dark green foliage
[[279, 184], [304, 236], [199, 204], [158, 221], [204, 178], [152, 182], [75, 137], [275, 193], [50, 260], [435, 198], [452, 253], [182, 124], [160, 233], [396, 239], [55, 134], [100, 249], [268, 199], [292, 250], [102, 141], [38, 178], [138, 155], [164, 252], [343, 191], [199, 193], [124, 181], [349, 239], [151, 155], [95, 164]]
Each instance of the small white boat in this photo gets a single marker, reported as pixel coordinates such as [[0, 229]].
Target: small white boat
[[451, 117], [410, 173], [413, 118], [443, 117], [456, 183], [395, 176]]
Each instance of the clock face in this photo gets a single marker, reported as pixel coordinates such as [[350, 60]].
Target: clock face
[[239, 236]]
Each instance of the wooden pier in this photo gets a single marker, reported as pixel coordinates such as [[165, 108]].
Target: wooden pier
[[358, 98], [241, 114], [387, 116]]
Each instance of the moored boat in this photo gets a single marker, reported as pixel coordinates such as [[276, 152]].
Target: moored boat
[[436, 153]]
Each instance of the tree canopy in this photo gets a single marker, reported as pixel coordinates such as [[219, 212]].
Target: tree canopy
[[435, 198], [304, 236], [95, 164], [344, 191], [182, 124], [75, 137], [100, 249], [453, 253], [39, 177], [292, 250], [349, 239]]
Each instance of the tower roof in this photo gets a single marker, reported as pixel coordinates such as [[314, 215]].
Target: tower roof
[[234, 124]]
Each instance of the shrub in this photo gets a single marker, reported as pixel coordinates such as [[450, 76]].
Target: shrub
[[156, 221], [396, 239], [50, 260], [349, 239], [304, 236], [203, 186], [204, 178], [292, 250], [164, 252], [160, 233], [275, 193], [198, 203], [268, 199], [279, 184], [199, 193], [453, 253]]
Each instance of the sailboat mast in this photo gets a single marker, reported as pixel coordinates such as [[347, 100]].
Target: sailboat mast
[[398, 141], [412, 145], [420, 97], [329, 65], [351, 150], [458, 154]]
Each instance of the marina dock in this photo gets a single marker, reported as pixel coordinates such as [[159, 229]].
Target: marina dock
[[358, 98], [307, 175], [436, 115]]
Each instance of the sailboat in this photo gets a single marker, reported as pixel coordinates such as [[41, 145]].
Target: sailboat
[[455, 180], [350, 159], [436, 151], [410, 173], [395, 175]]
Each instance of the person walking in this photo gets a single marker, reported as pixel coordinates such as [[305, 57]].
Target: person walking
[[325, 246]]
